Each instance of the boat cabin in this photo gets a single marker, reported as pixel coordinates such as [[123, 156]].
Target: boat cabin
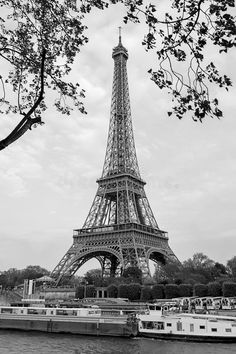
[[47, 311]]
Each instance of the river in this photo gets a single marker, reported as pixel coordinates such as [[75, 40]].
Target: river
[[14, 342]]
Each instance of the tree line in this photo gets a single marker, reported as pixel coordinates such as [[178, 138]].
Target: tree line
[[139, 292], [197, 276], [14, 277], [199, 269]]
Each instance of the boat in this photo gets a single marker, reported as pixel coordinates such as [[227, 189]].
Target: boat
[[86, 321], [156, 323]]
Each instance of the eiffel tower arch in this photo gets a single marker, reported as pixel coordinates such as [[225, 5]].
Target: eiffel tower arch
[[120, 229]]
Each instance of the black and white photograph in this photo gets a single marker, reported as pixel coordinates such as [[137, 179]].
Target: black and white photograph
[[117, 176]]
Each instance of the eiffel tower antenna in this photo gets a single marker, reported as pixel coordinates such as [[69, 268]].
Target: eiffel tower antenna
[[120, 35], [120, 229]]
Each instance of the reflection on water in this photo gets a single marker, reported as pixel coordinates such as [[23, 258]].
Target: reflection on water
[[14, 342]]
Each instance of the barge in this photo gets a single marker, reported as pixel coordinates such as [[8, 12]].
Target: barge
[[86, 321], [186, 326]]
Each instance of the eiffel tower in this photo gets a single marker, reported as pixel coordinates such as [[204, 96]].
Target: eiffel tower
[[120, 229]]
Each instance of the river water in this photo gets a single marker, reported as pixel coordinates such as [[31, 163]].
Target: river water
[[14, 342]]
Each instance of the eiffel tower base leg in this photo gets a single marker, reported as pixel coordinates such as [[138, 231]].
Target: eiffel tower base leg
[[109, 266]]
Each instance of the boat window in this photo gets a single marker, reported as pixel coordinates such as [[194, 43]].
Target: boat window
[[169, 324], [69, 312], [32, 311], [214, 329], [228, 330], [61, 312], [94, 312], [179, 326], [202, 327], [39, 311], [152, 308], [159, 325], [6, 310], [148, 325], [191, 327]]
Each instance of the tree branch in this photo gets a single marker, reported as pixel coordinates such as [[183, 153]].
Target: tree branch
[[26, 123]]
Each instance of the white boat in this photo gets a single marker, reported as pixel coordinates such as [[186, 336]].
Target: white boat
[[186, 326]]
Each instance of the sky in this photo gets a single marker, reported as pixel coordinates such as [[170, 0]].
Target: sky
[[48, 177]]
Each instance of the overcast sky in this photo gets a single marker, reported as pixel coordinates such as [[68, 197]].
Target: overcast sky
[[48, 177]]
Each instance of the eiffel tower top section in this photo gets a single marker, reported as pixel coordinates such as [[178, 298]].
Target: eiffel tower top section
[[120, 156]]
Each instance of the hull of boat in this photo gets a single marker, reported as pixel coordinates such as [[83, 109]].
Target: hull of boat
[[85, 326], [190, 338]]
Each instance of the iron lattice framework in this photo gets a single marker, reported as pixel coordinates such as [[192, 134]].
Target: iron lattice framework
[[120, 229]]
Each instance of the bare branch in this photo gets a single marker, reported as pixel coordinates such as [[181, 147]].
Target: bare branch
[[27, 122]]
